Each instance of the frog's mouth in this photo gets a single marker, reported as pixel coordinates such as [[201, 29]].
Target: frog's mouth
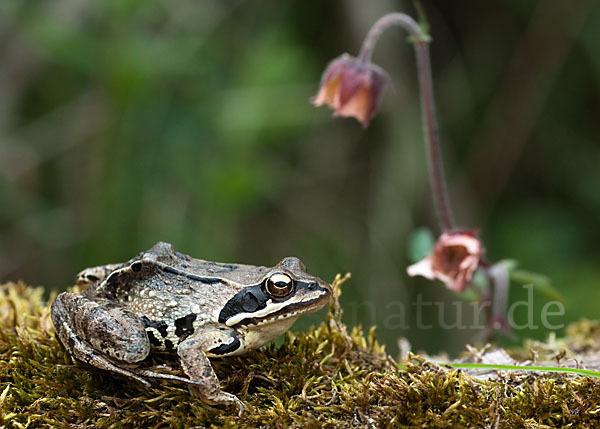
[[308, 298], [288, 312]]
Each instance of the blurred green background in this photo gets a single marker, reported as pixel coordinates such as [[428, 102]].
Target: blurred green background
[[125, 122]]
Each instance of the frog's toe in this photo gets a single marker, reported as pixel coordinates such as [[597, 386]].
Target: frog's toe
[[241, 406], [165, 376], [217, 397]]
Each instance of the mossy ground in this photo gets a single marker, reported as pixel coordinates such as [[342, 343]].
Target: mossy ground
[[324, 377]]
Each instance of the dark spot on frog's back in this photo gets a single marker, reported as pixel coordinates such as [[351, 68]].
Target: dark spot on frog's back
[[184, 326], [226, 268], [159, 326], [169, 345], [172, 270], [153, 340]]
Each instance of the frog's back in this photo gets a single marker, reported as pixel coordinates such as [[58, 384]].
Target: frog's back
[[163, 268]]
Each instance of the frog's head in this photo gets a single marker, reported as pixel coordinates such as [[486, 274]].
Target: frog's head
[[270, 307]]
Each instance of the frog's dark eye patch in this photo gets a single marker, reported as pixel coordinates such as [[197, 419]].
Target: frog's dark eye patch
[[279, 285], [249, 300]]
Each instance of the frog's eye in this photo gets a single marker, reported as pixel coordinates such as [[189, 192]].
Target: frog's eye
[[279, 285]]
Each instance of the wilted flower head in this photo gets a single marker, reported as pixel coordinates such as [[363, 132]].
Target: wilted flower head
[[455, 258], [351, 87]]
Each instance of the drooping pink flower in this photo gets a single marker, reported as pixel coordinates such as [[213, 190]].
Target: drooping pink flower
[[351, 87], [455, 257]]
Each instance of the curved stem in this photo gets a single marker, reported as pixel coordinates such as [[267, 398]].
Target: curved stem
[[430, 127], [382, 24]]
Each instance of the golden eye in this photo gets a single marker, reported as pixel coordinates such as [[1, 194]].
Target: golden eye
[[279, 285]]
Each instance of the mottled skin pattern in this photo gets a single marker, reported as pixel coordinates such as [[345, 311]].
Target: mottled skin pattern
[[162, 300]]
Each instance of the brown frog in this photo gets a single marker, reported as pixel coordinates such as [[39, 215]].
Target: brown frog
[[165, 301]]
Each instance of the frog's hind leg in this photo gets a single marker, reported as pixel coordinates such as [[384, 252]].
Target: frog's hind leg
[[84, 353], [99, 333]]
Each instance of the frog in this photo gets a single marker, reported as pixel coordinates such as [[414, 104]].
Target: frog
[[163, 301]]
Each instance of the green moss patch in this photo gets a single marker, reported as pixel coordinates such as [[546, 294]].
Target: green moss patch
[[326, 377]]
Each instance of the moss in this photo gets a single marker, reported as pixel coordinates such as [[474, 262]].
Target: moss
[[325, 377]]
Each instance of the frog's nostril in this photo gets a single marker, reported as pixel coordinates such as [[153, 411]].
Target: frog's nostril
[[313, 286]]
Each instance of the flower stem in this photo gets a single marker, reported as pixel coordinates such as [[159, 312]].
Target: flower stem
[[420, 41]]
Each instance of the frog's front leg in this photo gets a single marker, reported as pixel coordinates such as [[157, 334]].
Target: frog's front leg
[[194, 361], [99, 333]]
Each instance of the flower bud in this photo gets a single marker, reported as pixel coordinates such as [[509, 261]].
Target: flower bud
[[352, 88]]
